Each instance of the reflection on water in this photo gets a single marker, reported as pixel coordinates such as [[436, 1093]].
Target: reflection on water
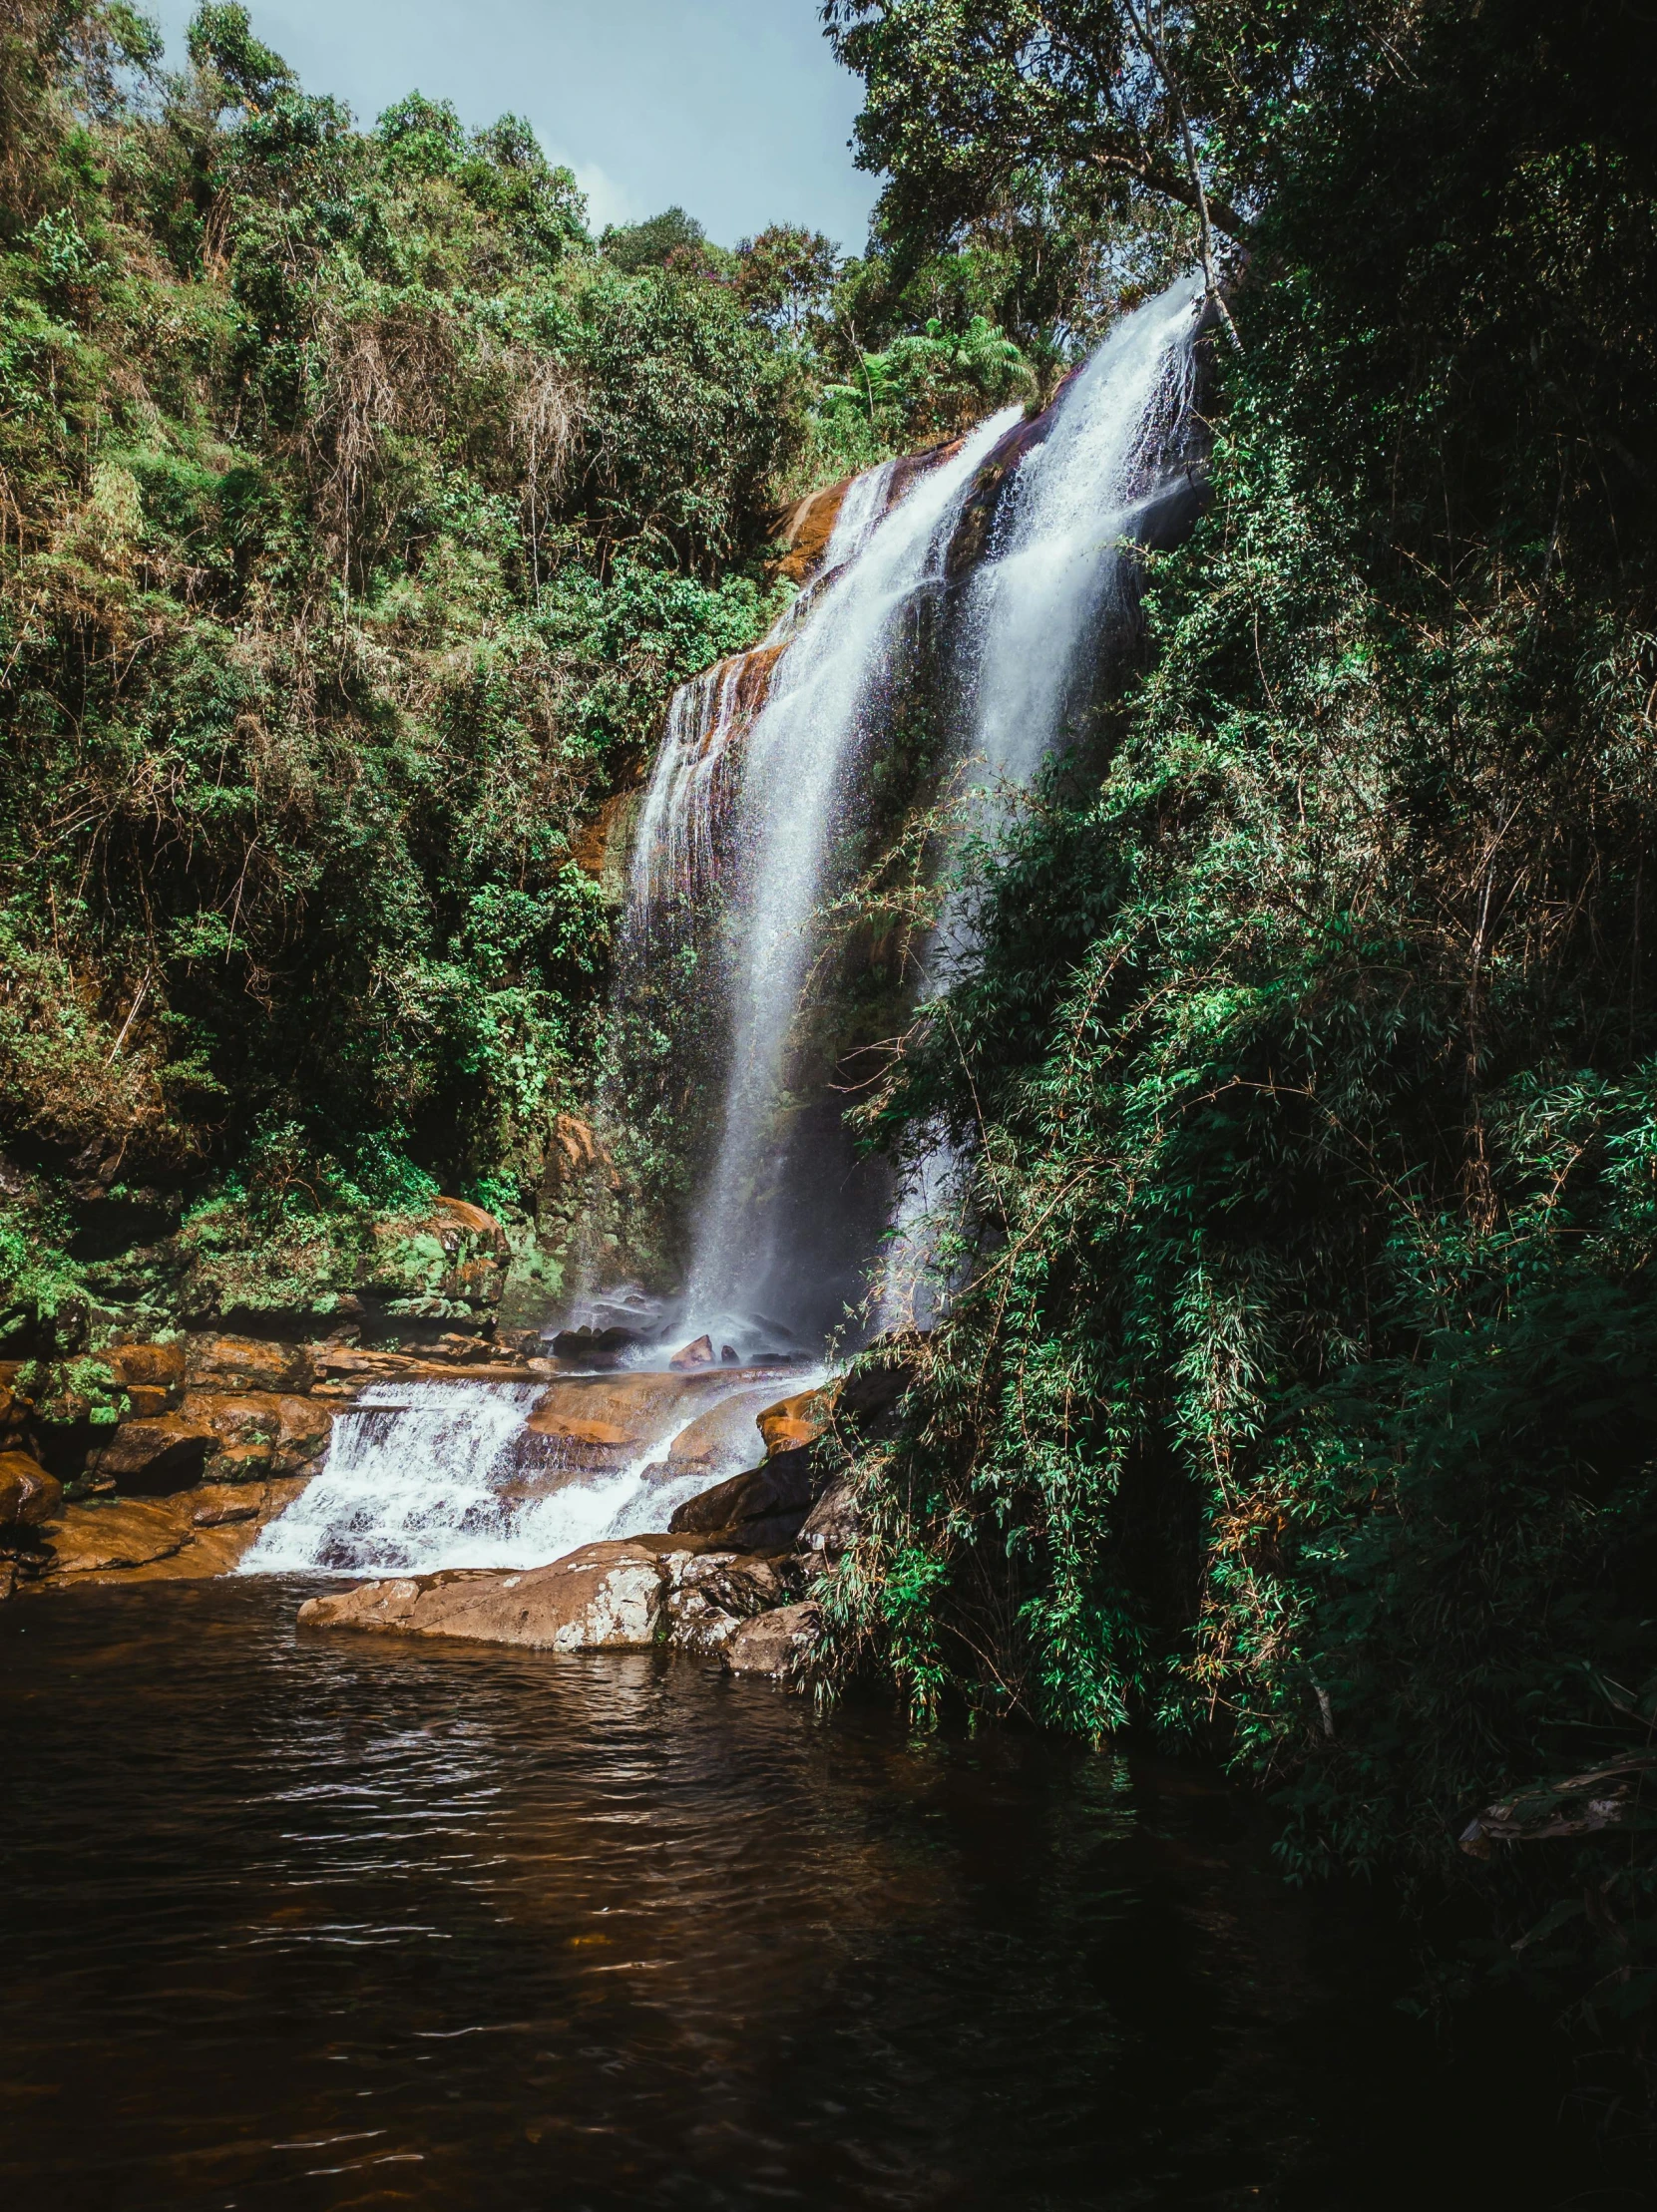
[[327, 1922]]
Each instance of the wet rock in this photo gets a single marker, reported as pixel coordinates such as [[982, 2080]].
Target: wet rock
[[759, 1510], [794, 1421], [711, 1594], [220, 1364], [832, 1525], [104, 1538], [805, 529], [594, 1348], [148, 1372], [606, 1597], [290, 1430], [239, 1463], [185, 1537], [161, 1454], [219, 1513], [780, 1644], [28, 1494], [697, 1353]]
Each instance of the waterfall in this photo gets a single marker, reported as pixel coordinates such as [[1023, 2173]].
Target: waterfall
[[797, 759], [427, 1475], [1044, 610], [1053, 585], [1000, 574]]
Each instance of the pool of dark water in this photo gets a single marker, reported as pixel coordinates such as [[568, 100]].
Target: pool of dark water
[[326, 1921]]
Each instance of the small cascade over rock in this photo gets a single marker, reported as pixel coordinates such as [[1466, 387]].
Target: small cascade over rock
[[422, 1476]]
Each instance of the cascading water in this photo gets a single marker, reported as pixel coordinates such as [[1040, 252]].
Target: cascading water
[[423, 1475], [796, 763], [1044, 610], [1059, 558], [982, 598]]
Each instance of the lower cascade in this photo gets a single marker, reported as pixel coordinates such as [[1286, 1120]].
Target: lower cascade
[[428, 1475]]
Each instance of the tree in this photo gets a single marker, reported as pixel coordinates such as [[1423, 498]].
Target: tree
[[220, 39]]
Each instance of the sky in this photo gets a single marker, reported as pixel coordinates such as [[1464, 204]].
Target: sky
[[733, 109]]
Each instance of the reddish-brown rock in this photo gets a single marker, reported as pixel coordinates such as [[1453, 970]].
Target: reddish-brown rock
[[107, 1539], [219, 1364], [291, 1430], [794, 1421], [699, 1354], [806, 528], [225, 1512], [160, 1454], [28, 1494], [150, 1368]]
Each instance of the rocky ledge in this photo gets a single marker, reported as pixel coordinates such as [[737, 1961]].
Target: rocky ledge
[[625, 1597]]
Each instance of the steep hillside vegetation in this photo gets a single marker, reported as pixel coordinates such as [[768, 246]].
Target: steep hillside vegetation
[[357, 512], [1300, 1393]]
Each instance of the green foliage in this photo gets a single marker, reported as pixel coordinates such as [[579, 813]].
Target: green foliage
[[929, 384], [359, 516], [1299, 1389]]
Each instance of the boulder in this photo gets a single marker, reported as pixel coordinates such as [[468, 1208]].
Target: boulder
[[794, 1421], [28, 1494], [219, 1364], [697, 1353], [711, 1595], [161, 1454], [779, 1643], [153, 1370], [594, 1348], [291, 1430], [606, 1597], [758, 1511], [831, 1527]]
